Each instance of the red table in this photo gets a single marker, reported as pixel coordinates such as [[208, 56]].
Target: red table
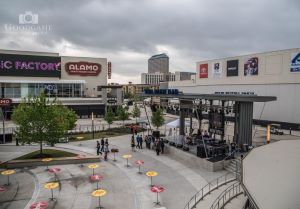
[[96, 178], [39, 205], [157, 189], [139, 163]]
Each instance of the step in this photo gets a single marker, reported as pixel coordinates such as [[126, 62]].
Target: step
[[210, 198]]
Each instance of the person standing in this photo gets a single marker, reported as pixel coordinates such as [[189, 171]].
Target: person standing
[[106, 149], [141, 141], [98, 148], [162, 145], [157, 148], [132, 144], [102, 145]]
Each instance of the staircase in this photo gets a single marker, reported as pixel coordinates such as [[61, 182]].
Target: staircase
[[237, 202], [234, 166]]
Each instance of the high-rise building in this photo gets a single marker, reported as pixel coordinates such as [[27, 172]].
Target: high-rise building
[[158, 63], [157, 78]]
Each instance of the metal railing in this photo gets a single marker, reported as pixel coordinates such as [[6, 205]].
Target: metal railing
[[228, 194], [207, 189]]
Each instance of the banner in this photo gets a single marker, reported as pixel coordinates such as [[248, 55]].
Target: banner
[[203, 71], [109, 70], [251, 67], [217, 70], [295, 62], [29, 65], [232, 68]]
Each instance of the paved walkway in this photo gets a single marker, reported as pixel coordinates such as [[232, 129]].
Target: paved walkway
[[180, 181]]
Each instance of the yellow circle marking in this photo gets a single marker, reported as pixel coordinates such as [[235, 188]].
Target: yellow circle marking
[[51, 185], [99, 193], [8, 172], [47, 159], [151, 173], [127, 156], [93, 166]]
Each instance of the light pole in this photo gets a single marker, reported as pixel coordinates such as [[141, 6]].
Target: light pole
[[93, 131], [3, 124]]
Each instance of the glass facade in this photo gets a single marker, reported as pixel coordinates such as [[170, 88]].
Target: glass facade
[[20, 90]]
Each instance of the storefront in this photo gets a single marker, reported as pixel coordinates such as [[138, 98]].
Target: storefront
[[73, 80]]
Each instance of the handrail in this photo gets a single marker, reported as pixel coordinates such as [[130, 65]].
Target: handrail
[[229, 193], [212, 185]]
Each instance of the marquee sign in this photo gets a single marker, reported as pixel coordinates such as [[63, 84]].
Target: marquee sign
[[83, 68], [29, 65], [5, 102]]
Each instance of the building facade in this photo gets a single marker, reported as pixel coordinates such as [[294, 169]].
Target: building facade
[[275, 73], [182, 76], [73, 80], [136, 89], [156, 78], [158, 63]]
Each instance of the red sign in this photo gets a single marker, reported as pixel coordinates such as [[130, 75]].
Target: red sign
[[96, 177], [157, 189], [5, 102], [203, 71], [83, 68], [109, 70], [39, 205]]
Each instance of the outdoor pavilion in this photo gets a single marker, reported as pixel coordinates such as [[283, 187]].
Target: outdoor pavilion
[[240, 104]]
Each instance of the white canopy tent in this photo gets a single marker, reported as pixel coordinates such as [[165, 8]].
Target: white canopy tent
[[175, 124]]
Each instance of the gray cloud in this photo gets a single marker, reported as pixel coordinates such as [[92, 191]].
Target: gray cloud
[[188, 30]]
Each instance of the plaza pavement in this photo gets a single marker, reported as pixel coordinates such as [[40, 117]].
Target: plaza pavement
[[126, 188]]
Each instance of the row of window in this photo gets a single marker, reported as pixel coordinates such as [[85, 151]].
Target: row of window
[[18, 90]]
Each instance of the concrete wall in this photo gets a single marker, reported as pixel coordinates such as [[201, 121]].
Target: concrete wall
[[194, 161], [271, 175]]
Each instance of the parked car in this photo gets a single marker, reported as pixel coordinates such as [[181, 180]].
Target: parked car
[[64, 140], [276, 129]]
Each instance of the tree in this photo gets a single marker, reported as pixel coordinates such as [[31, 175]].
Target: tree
[[157, 118], [40, 120], [136, 112], [109, 116], [128, 95], [122, 114]]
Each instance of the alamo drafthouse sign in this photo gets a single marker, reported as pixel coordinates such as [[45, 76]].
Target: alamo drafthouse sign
[[83, 68]]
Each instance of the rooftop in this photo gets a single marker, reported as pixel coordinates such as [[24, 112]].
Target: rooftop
[[159, 56]]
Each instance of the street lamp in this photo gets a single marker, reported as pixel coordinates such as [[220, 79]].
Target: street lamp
[[93, 131]]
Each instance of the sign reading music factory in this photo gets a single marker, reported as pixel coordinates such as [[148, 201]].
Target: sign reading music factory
[[83, 68], [29, 65]]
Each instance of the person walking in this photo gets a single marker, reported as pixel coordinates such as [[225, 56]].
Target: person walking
[[162, 145], [98, 148], [137, 141], [102, 145], [157, 146], [106, 149]]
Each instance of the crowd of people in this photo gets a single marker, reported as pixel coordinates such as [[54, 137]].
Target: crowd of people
[[151, 142], [103, 147]]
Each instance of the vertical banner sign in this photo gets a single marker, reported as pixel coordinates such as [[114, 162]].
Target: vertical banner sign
[[232, 68], [295, 62], [251, 67], [217, 70], [203, 71], [109, 70]]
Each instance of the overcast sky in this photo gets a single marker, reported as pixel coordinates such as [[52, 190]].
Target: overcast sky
[[128, 32]]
